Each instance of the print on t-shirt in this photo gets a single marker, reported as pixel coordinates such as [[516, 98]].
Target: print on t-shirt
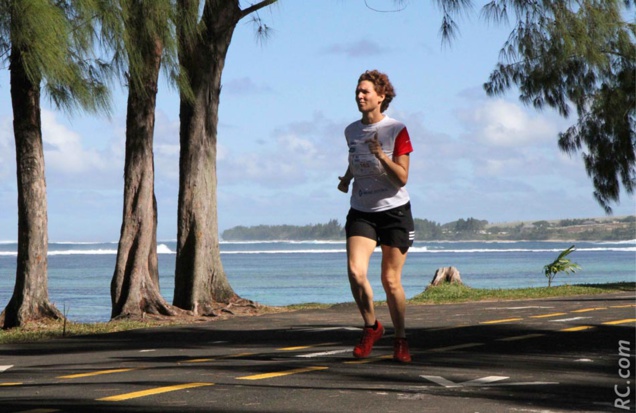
[[373, 190]]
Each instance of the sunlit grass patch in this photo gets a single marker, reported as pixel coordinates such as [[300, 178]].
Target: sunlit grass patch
[[453, 293]]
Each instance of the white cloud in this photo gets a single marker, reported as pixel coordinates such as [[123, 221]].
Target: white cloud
[[244, 86], [63, 148], [166, 148], [296, 152], [7, 149], [505, 124], [298, 146]]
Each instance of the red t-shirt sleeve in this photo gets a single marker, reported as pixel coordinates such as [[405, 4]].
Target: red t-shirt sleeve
[[402, 143]]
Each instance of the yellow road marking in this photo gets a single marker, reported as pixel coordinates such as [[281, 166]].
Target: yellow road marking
[[233, 356], [578, 328], [524, 337], [295, 348], [150, 392], [547, 315], [94, 373], [197, 360], [615, 322], [368, 360], [11, 384], [282, 373], [457, 347], [506, 320], [585, 310], [448, 327], [623, 306]]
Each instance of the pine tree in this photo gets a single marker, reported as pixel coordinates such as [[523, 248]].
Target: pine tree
[[203, 42], [49, 46], [140, 34], [578, 53]]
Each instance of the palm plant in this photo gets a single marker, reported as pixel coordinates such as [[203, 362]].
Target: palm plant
[[560, 264]]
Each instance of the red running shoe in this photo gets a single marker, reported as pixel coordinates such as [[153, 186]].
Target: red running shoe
[[401, 350], [369, 337]]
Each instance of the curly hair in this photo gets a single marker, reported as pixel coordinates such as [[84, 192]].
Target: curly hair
[[382, 86]]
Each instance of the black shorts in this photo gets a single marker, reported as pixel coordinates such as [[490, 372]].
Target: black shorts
[[393, 227]]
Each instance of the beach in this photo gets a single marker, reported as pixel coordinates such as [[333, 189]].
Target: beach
[[279, 273]]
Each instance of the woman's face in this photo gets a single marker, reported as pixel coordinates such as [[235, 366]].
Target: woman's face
[[367, 98]]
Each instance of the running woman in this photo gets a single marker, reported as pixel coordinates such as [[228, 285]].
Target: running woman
[[380, 213]]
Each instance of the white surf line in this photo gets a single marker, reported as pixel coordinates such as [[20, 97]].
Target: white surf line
[[325, 353]]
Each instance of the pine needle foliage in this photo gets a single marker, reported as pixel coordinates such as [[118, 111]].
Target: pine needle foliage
[[129, 26], [564, 53], [56, 40]]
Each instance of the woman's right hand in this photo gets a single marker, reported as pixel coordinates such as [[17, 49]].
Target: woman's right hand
[[343, 186]]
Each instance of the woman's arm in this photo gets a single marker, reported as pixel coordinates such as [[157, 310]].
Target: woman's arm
[[397, 168], [345, 181]]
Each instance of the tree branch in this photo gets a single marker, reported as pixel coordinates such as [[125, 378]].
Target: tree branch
[[256, 7]]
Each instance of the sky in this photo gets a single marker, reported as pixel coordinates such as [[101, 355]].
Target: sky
[[284, 105]]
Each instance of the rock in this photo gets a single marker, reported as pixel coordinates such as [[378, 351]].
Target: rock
[[446, 275]]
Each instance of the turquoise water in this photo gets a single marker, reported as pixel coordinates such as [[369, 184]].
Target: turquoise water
[[283, 273]]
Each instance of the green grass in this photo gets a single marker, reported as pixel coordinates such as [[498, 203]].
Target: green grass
[[57, 329], [443, 294], [455, 293]]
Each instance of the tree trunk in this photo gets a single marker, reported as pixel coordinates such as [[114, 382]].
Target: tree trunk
[[135, 284], [30, 300], [446, 275], [200, 281]]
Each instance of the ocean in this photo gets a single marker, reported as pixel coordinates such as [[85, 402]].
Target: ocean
[[283, 273]]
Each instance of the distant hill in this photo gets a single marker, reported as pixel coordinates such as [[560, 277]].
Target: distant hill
[[587, 229]]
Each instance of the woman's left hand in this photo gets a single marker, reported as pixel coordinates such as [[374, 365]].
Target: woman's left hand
[[375, 147]]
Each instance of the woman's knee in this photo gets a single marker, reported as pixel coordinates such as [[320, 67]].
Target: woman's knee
[[357, 274], [392, 284]]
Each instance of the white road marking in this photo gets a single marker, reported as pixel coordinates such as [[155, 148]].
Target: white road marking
[[325, 353], [5, 368], [320, 329], [477, 382], [563, 320], [487, 381]]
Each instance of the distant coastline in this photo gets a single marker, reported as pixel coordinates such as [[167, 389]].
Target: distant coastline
[[621, 228]]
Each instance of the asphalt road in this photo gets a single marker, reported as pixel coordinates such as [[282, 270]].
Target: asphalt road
[[548, 355]]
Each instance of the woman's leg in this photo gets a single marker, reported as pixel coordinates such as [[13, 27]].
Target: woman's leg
[[359, 250], [393, 260]]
